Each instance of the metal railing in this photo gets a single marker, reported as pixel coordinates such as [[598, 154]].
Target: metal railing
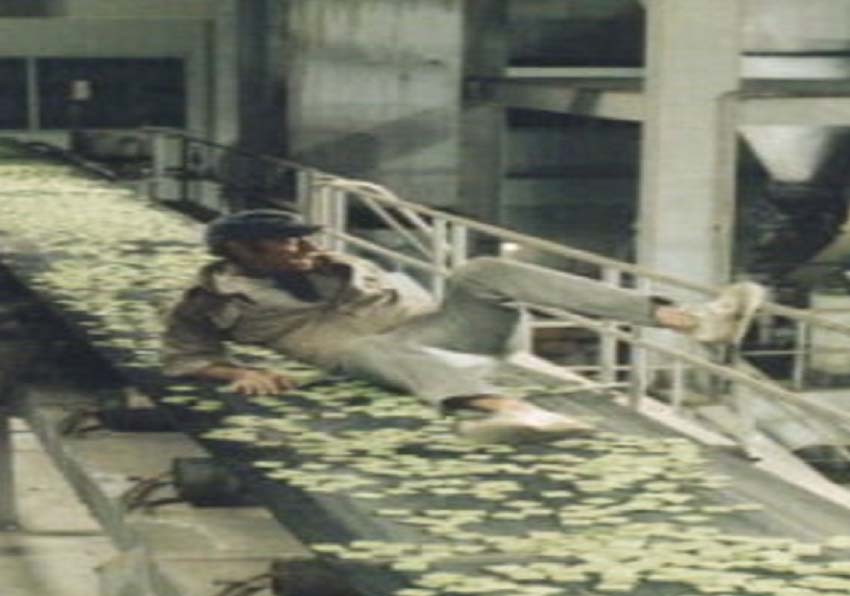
[[431, 243]]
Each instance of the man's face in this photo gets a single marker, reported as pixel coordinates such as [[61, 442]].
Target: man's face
[[279, 255]]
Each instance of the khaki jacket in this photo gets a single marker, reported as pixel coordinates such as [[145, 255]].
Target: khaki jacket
[[356, 298]]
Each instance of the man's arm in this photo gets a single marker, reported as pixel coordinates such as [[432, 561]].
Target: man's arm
[[193, 347], [247, 381]]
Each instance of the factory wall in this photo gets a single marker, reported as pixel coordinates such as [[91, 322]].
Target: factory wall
[[373, 91]]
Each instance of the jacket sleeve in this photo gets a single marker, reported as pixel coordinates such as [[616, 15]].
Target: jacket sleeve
[[191, 340]]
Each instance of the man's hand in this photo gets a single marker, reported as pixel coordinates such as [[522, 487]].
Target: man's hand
[[673, 317], [327, 263], [260, 382]]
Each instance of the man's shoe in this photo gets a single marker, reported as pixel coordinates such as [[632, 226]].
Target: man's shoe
[[727, 318], [523, 427]]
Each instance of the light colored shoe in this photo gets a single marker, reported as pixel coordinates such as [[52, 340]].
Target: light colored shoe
[[727, 318], [536, 425]]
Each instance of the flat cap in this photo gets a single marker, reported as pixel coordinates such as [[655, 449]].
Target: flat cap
[[257, 224]]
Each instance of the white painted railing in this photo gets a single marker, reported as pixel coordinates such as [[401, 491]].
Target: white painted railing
[[432, 243]]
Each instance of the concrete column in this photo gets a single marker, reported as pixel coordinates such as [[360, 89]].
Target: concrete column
[[259, 124], [224, 123], [688, 158], [483, 125], [374, 92]]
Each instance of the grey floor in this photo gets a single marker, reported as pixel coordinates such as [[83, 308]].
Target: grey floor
[[59, 547]]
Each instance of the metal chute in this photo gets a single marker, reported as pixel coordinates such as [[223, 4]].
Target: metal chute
[[803, 205]]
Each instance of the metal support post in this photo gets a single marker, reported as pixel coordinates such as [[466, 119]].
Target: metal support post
[[303, 193], [637, 377], [159, 151], [801, 352], [639, 365], [319, 195], [8, 511], [183, 169], [677, 386], [459, 234], [688, 140], [608, 343], [439, 238], [337, 210]]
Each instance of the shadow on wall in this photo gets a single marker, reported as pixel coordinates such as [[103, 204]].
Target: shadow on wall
[[358, 152]]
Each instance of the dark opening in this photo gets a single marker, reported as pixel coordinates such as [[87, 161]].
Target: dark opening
[[111, 92], [26, 8], [13, 93]]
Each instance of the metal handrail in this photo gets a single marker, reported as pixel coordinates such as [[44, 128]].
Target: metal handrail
[[156, 131], [382, 195], [726, 373], [806, 321]]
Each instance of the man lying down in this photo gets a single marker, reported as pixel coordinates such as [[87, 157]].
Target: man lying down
[[273, 287]]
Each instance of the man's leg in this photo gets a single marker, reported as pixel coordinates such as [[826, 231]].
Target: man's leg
[[487, 282], [432, 374], [444, 357], [499, 280], [456, 383]]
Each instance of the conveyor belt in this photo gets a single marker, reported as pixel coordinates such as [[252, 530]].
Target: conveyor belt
[[380, 485]]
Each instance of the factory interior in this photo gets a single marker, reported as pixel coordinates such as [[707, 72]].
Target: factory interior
[[664, 147]]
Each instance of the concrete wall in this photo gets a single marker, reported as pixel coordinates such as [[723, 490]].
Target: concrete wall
[[91, 38], [373, 91]]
